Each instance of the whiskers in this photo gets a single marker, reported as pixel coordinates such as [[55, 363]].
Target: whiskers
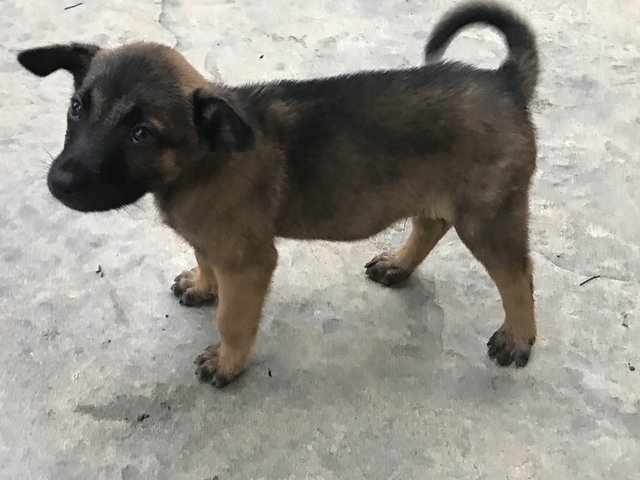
[[131, 210], [46, 165]]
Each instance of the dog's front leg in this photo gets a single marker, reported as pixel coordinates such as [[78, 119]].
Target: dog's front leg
[[241, 294], [197, 286]]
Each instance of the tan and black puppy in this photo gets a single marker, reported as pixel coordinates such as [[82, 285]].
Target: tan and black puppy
[[342, 158]]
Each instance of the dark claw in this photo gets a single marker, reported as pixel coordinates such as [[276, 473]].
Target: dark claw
[[504, 358], [204, 374], [177, 289], [190, 298], [373, 261], [219, 381], [493, 350], [522, 359]]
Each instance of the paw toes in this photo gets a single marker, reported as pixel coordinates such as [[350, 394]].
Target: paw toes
[[493, 338], [493, 350], [219, 381], [209, 375], [395, 276], [206, 369], [375, 260], [204, 373], [210, 353], [191, 297], [383, 271], [177, 289], [505, 350], [186, 288], [504, 357], [522, 359]]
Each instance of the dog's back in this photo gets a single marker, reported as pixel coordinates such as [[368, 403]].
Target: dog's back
[[452, 135]]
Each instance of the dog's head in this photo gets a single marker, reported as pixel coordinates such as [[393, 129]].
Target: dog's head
[[140, 118]]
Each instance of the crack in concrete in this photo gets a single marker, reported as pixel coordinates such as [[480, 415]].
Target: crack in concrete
[[601, 276], [120, 313]]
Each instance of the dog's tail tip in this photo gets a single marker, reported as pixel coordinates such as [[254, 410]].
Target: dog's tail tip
[[522, 62]]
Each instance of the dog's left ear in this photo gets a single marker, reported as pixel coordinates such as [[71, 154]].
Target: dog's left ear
[[220, 124], [74, 58]]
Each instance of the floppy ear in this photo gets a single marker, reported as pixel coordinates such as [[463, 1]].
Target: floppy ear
[[74, 58], [220, 124]]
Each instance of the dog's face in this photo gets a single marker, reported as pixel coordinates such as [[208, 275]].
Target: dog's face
[[140, 117]]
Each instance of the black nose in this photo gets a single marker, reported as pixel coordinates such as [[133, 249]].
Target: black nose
[[66, 178], [61, 181]]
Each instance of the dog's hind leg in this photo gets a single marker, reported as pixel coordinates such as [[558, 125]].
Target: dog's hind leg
[[501, 244], [393, 268]]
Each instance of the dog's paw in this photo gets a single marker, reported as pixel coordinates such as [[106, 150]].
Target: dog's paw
[[208, 368], [189, 288], [383, 270], [506, 349]]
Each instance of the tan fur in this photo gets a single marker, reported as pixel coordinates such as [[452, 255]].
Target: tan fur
[[191, 78], [425, 233], [515, 287], [168, 165], [207, 281], [242, 292]]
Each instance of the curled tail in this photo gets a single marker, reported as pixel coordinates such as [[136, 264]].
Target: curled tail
[[522, 62]]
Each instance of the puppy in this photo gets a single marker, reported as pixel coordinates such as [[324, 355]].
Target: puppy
[[340, 158]]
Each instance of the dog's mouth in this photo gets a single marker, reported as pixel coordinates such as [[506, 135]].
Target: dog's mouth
[[88, 193]]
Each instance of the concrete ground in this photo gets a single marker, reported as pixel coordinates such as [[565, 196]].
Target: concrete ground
[[348, 380]]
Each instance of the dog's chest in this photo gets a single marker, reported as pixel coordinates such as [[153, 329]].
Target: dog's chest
[[183, 226], [182, 219]]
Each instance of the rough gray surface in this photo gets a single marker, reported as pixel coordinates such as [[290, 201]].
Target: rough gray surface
[[365, 382]]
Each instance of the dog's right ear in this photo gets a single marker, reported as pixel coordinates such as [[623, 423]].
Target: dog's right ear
[[74, 58]]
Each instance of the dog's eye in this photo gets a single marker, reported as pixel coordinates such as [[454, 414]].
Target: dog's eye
[[140, 135], [75, 108]]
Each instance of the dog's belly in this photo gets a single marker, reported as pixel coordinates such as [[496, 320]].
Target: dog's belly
[[332, 230], [359, 203], [347, 220]]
